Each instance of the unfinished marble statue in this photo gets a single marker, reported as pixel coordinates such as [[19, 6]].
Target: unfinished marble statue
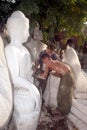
[[27, 100], [35, 46], [78, 113], [51, 91], [6, 93], [71, 58]]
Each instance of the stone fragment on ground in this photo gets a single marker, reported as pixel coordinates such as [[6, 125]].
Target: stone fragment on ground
[[52, 119]]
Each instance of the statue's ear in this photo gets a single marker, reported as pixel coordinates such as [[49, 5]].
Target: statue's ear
[[6, 94]]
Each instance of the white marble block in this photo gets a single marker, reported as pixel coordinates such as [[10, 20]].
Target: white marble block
[[6, 94]]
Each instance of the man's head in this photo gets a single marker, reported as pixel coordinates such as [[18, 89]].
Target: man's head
[[50, 49], [45, 57], [69, 42]]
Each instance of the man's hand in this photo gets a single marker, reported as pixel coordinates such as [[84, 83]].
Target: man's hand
[[55, 74], [41, 76]]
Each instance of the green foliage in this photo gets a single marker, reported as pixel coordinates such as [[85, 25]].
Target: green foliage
[[29, 7], [61, 14], [6, 8]]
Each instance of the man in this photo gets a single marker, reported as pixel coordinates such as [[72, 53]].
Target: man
[[64, 97], [51, 52]]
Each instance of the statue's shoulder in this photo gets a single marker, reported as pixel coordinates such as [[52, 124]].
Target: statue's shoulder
[[11, 48], [70, 51]]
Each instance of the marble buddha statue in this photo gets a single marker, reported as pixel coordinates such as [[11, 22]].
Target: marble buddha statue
[[35, 45], [26, 96]]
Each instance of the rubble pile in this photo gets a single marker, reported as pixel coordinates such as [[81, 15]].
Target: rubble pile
[[52, 119]]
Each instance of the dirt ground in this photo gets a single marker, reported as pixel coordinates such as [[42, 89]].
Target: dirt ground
[[52, 119]]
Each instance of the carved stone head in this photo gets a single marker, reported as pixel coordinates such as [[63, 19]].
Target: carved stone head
[[18, 27]]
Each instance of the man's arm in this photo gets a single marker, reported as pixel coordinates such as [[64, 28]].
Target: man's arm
[[46, 71], [55, 56]]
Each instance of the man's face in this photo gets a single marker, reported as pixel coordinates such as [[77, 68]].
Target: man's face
[[49, 51], [45, 60]]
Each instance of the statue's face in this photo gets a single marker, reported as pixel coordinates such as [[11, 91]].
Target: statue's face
[[18, 28], [25, 34]]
